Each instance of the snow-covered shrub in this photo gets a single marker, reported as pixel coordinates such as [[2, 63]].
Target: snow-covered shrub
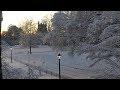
[[110, 31], [10, 73]]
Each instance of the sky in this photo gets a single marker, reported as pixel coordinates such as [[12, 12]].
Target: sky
[[17, 17]]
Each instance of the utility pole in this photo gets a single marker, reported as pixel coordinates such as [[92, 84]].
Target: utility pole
[[1, 18]]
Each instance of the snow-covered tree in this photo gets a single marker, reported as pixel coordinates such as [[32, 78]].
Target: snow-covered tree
[[28, 35], [77, 28], [47, 21], [104, 40], [94, 32], [56, 38]]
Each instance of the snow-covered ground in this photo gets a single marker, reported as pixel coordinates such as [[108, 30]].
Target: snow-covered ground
[[75, 67], [24, 68]]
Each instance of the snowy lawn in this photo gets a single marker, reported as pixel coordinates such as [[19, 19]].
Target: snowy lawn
[[74, 67], [24, 69]]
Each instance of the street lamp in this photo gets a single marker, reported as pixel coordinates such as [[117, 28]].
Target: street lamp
[[30, 42], [11, 54], [59, 56]]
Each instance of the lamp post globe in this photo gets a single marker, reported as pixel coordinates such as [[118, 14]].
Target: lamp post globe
[[59, 56], [11, 48]]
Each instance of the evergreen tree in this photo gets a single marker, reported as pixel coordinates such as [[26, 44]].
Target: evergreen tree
[[12, 36]]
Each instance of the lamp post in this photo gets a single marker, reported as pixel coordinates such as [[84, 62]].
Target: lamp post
[[30, 42], [59, 56], [11, 54]]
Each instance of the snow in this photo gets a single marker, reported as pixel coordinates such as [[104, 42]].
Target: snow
[[16, 64], [73, 67], [22, 67], [93, 35], [47, 76]]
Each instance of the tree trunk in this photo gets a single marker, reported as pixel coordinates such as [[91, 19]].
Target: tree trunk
[[30, 42], [0, 47]]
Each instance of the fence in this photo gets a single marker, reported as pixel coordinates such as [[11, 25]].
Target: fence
[[45, 71]]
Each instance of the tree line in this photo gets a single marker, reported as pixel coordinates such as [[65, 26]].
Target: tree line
[[27, 30]]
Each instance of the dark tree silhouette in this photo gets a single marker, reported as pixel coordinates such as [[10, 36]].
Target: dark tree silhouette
[[12, 36], [42, 28], [0, 47]]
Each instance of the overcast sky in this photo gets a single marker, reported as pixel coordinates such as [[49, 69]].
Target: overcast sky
[[16, 17]]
